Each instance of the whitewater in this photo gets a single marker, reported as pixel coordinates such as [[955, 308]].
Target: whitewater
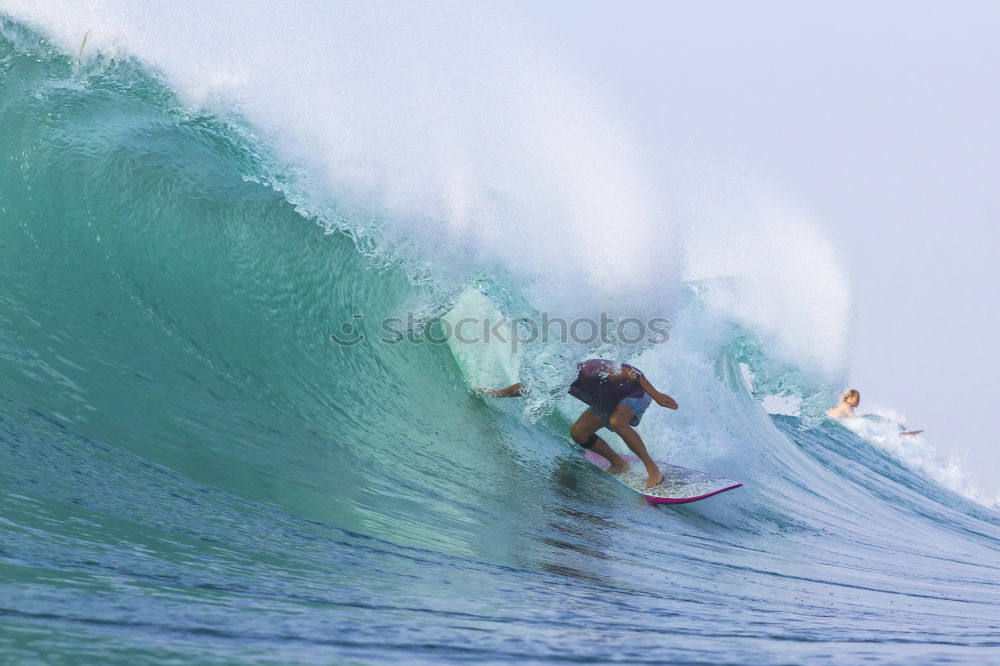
[[199, 204]]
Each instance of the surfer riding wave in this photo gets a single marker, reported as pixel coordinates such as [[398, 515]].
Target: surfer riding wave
[[617, 397]]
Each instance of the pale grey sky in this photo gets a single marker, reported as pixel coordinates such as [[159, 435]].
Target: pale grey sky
[[879, 117]]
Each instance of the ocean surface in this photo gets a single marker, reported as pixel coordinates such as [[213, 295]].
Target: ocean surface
[[194, 470]]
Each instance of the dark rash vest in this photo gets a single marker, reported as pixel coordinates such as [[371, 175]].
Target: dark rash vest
[[592, 385]]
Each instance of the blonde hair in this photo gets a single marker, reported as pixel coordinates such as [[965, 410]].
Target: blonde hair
[[850, 393]]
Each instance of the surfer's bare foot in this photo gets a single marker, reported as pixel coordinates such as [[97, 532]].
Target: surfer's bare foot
[[655, 478], [618, 466]]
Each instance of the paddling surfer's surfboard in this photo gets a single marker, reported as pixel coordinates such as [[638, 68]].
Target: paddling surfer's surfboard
[[680, 484]]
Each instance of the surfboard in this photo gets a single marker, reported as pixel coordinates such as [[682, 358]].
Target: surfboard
[[680, 484]]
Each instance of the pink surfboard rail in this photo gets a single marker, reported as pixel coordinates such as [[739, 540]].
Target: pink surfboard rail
[[680, 484]]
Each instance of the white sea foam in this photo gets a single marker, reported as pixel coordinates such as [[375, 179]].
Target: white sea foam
[[882, 427], [448, 128]]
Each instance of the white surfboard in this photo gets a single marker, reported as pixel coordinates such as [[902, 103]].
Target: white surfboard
[[679, 485]]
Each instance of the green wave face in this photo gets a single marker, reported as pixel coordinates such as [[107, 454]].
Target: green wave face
[[158, 298]]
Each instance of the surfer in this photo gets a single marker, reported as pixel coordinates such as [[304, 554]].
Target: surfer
[[850, 399], [617, 397]]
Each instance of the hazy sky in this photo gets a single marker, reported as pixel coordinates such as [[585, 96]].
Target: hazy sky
[[879, 117]]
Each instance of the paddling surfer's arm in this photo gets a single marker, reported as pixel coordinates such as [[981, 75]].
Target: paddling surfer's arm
[[630, 373]]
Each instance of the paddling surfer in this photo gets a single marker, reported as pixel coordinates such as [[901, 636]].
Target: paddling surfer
[[617, 397], [850, 399]]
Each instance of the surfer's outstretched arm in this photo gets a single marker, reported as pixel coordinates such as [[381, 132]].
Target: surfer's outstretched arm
[[629, 373], [661, 399], [512, 391]]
